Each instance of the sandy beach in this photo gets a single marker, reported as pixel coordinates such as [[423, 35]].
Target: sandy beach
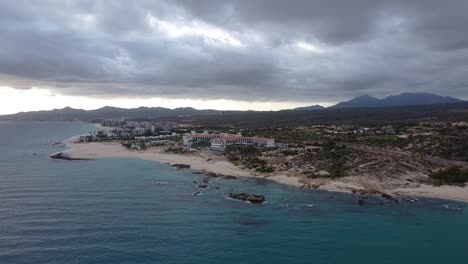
[[219, 165]]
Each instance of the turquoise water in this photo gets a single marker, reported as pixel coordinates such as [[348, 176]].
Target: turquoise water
[[110, 211]]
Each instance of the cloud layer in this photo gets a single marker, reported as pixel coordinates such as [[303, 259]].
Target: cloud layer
[[271, 50]]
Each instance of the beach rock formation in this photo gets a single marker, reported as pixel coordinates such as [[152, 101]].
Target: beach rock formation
[[211, 174], [181, 166]]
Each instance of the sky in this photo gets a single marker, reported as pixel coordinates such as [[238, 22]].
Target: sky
[[232, 54]]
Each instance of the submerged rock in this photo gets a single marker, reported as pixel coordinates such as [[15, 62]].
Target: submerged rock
[[58, 144], [251, 198], [388, 197], [362, 200]]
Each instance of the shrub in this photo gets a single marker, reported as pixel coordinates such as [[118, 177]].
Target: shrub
[[265, 169], [176, 150], [289, 152], [337, 155], [382, 140], [451, 176]]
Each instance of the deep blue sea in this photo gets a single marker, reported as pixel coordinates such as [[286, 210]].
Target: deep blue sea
[[111, 211]]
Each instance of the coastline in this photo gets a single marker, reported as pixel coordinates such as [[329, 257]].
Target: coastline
[[217, 164]]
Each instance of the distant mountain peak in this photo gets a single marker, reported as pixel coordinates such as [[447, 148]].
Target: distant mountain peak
[[108, 108], [365, 96], [406, 98], [311, 107]]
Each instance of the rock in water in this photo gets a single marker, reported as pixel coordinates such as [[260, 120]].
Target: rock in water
[[251, 198], [58, 144], [65, 156]]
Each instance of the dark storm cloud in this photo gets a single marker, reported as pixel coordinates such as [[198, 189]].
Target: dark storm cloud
[[243, 50]]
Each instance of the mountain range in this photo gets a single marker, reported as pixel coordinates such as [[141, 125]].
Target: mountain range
[[107, 112], [398, 100], [367, 101], [361, 102]]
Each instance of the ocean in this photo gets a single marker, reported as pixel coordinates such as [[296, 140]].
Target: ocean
[[114, 211]]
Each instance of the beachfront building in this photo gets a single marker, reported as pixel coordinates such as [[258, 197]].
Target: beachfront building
[[139, 131], [220, 142], [197, 139]]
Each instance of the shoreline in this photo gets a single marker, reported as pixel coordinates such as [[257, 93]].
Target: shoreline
[[217, 164]]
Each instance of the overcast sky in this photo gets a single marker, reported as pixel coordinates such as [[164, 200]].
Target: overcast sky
[[231, 54]]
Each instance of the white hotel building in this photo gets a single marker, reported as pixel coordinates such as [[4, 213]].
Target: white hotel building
[[219, 142]]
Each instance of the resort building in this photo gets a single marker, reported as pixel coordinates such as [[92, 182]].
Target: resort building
[[195, 139], [139, 131], [219, 142]]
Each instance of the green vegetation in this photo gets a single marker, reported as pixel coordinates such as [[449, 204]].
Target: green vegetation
[[451, 176], [265, 169], [202, 145], [249, 157], [381, 140], [337, 154], [127, 144], [454, 148], [289, 152], [176, 150], [244, 151]]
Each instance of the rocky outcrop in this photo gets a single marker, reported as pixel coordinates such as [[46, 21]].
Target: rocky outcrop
[[181, 166], [211, 174], [251, 198], [367, 193], [65, 156]]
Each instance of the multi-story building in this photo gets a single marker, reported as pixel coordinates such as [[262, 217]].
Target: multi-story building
[[195, 139], [219, 142], [139, 131]]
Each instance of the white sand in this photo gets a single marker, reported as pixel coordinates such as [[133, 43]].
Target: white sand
[[219, 165], [444, 192]]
